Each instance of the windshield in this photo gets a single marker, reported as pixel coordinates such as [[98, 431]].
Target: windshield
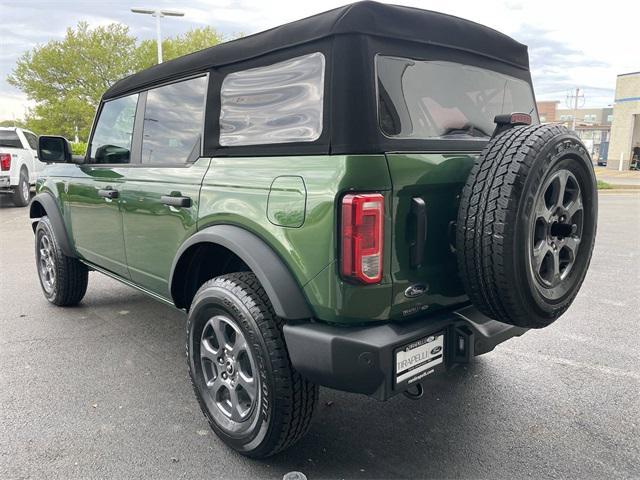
[[434, 99], [9, 139]]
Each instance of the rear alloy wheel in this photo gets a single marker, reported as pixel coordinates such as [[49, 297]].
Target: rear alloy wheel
[[240, 369], [229, 370]]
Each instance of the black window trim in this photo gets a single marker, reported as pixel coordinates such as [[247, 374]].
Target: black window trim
[[136, 141]]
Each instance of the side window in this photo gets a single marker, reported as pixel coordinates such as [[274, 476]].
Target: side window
[[32, 140], [280, 103], [112, 137], [173, 120]]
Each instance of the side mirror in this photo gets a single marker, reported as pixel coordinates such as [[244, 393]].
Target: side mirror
[[54, 149]]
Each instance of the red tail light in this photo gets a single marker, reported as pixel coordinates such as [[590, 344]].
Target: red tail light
[[5, 161], [362, 235]]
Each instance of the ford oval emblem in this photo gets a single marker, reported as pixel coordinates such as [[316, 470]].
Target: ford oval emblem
[[436, 350], [416, 290]]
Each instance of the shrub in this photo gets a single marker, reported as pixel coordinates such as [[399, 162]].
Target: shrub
[[78, 148]]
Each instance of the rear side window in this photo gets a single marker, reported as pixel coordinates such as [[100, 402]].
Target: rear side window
[[280, 103], [111, 142], [32, 140], [433, 99], [9, 139], [173, 119]]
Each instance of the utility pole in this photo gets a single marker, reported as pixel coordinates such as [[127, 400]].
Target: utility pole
[[575, 98], [158, 14]]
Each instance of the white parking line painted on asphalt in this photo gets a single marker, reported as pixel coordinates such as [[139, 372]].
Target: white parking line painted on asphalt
[[616, 372]]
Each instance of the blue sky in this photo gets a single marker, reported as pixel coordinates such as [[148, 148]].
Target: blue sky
[[571, 43]]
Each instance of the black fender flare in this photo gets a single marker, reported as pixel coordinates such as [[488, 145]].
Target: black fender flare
[[46, 202], [281, 287]]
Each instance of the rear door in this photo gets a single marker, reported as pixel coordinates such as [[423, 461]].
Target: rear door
[[159, 198], [451, 107]]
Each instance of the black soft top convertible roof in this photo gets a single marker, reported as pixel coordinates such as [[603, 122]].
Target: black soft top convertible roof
[[349, 37], [365, 18]]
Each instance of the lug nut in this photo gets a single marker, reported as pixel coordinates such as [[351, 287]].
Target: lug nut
[[220, 360], [224, 375]]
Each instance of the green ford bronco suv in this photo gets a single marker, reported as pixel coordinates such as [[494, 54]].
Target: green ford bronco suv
[[357, 200]]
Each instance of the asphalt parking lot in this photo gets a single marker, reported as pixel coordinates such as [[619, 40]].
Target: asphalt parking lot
[[102, 391]]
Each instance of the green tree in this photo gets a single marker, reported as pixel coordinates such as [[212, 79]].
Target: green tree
[[12, 123], [67, 77], [191, 41]]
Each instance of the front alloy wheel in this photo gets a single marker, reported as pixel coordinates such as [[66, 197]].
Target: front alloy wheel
[[63, 279], [46, 264]]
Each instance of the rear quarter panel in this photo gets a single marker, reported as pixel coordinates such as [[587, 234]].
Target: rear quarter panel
[[236, 191]]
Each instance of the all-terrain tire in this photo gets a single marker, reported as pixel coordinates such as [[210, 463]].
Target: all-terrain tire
[[21, 194], [523, 240], [63, 279], [283, 412]]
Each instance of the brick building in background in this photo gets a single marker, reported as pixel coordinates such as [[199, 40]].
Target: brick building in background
[[547, 111]]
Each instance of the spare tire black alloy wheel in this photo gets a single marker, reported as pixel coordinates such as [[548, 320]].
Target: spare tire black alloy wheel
[[527, 224], [556, 232]]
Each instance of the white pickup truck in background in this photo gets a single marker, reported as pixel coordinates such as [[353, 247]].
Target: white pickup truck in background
[[19, 164]]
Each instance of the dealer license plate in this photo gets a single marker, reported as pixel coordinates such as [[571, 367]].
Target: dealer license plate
[[417, 359]]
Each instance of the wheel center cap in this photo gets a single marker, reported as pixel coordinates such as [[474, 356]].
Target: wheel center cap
[[229, 368]]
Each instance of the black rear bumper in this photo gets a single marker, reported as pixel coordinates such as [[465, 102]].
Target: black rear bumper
[[361, 359]]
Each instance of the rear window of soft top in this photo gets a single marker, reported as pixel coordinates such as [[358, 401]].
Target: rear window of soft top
[[419, 99]]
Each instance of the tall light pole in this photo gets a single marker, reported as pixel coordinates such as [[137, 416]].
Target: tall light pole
[[158, 14]]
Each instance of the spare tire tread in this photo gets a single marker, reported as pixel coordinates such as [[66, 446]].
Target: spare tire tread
[[474, 218], [488, 214]]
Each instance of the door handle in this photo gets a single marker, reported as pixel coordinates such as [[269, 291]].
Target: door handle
[[108, 193], [171, 201], [419, 213]]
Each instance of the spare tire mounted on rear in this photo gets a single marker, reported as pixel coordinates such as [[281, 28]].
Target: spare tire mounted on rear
[[526, 225]]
